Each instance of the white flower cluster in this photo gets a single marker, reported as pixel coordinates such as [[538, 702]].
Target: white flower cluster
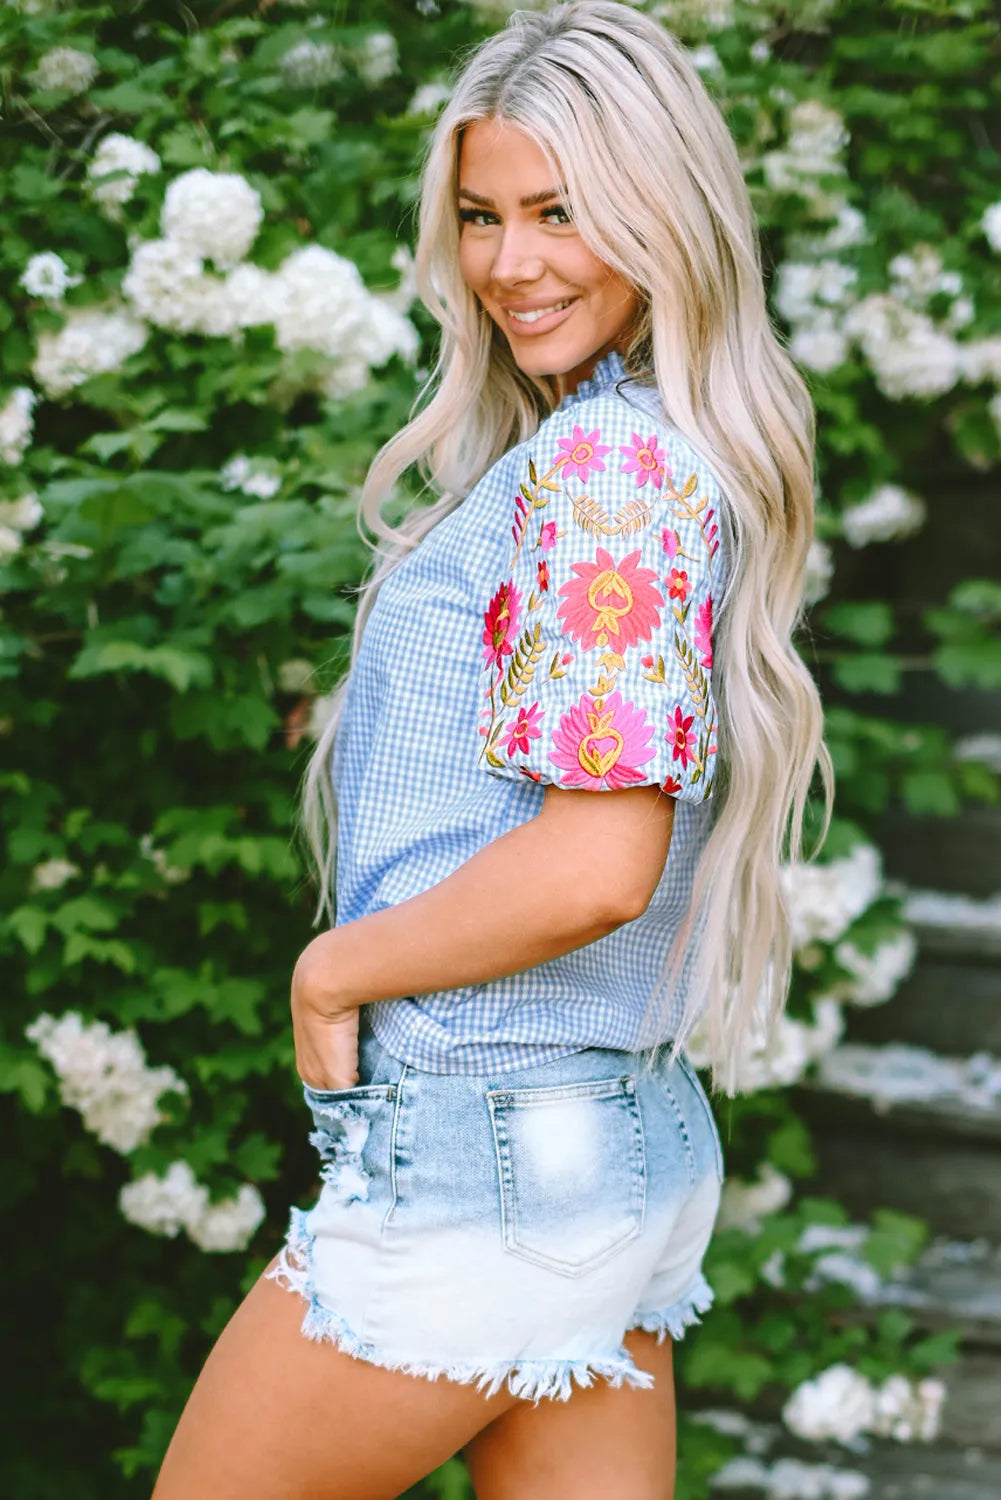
[[52, 874], [901, 1074], [875, 976], [177, 1200], [840, 1405], [889, 513], [168, 873], [948, 911], [783, 1059], [819, 571], [907, 352], [64, 70], [919, 276], [115, 169], [984, 747], [250, 478], [377, 58], [47, 275], [840, 1259], [811, 157], [744, 1205], [316, 299], [92, 341], [309, 65], [990, 223], [16, 424], [812, 297], [824, 899], [104, 1075], [791, 1479], [17, 517], [429, 98]]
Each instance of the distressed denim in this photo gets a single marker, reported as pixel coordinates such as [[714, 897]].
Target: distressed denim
[[507, 1228]]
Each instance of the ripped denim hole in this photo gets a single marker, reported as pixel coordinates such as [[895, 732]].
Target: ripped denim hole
[[340, 1137]]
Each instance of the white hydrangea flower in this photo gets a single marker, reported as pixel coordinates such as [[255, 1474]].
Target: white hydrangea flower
[[114, 171], [215, 215], [816, 139], [166, 284], [980, 360], [744, 1204], [877, 975], [296, 676], [705, 58], [47, 275], [837, 1405], [255, 296], [790, 1479], [177, 1200], [429, 98], [824, 899], [889, 513], [906, 1411], [385, 332], [242, 473], [819, 572], [92, 341], [17, 424], [990, 223], [64, 70], [821, 347], [229, 1225], [104, 1075], [378, 57], [345, 378], [985, 747], [164, 1205], [11, 542], [52, 874], [901, 1074], [22, 514], [908, 355], [783, 1060], [309, 65], [326, 302], [848, 230], [919, 275]]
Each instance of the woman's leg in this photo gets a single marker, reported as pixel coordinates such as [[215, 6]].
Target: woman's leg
[[275, 1416], [604, 1441]]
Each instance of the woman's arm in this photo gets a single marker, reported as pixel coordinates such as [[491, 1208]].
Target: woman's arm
[[589, 862]]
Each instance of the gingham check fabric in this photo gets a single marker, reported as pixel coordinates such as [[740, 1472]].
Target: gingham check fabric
[[556, 627]]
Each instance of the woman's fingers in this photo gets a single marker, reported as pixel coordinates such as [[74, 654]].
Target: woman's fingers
[[326, 1049]]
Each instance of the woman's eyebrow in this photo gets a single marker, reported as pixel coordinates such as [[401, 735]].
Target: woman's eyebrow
[[529, 202]]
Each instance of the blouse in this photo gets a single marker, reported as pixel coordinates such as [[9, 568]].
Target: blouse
[[556, 628]]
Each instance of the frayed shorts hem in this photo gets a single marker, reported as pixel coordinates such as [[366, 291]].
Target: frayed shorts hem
[[528, 1379]]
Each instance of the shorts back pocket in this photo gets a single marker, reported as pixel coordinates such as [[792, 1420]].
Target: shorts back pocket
[[572, 1171]]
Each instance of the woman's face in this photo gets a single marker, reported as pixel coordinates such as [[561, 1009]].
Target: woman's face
[[520, 252]]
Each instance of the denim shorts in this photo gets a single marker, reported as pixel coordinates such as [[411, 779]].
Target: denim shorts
[[507, 1229]]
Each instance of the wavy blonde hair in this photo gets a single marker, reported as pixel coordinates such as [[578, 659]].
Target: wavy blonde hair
[[655, 186]]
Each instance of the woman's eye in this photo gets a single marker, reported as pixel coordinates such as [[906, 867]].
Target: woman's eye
[[470, 215], [557, 208]]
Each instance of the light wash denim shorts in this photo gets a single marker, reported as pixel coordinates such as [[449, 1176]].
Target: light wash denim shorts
[[509, 1228]]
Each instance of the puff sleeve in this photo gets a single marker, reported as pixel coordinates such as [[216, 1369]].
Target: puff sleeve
[[597, 644]]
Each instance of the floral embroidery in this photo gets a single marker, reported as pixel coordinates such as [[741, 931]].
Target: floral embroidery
[[602, 742], [704, 631], [645, 460], [678, 585], [583, 452], [500, 623], [525, 728], [609, 602], [680, 737]]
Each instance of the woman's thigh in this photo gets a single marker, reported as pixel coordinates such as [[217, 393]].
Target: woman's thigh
[[604, 1441], [275, 1416]]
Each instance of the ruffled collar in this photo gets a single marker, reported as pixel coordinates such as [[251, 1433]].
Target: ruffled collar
[[608, 370]]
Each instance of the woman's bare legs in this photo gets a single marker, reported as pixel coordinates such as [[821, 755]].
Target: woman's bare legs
[[275, 1416], [605, 1441]]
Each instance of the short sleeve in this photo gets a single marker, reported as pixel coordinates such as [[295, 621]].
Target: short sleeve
[[598, 641]]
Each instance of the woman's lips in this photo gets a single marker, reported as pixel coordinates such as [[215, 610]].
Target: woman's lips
[[540, 325]]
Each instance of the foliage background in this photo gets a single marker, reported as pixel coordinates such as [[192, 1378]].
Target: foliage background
[[170, 626]]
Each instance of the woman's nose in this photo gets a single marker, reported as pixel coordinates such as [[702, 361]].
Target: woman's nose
[[517, 258]]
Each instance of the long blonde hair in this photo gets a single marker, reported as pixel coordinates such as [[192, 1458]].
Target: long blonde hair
[[655, 186]]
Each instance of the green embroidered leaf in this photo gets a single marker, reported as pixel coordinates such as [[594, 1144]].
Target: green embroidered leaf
[[492, 757], [533, 475], [691, 485]]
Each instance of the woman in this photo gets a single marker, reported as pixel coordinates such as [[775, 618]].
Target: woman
[[520, 1178]]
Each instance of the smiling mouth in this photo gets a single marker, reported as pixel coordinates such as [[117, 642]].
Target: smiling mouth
[[541, 317]]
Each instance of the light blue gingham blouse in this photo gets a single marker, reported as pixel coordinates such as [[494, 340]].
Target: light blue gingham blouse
[[556, 627]]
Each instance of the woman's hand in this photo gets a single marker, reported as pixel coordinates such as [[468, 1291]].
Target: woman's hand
[[324, 1021]]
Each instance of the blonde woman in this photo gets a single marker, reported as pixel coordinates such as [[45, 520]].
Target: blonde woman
[[573, 748]]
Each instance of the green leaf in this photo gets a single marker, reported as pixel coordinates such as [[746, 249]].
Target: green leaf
[[867, 672], [870, 624]]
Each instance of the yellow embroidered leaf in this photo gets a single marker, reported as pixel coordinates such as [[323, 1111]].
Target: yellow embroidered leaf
[[492, 756], [533, 473], [523, 664], [691, 485]]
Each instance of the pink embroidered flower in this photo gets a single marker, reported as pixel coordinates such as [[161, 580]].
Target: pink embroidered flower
[[704, 631], [525, 728], [542, 576], [611, 603], [711, 533], [680, 736], [645, 460], [670, 542], [601, 742], [678, 585], [500, 624], [582, 453], [547, 536]]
